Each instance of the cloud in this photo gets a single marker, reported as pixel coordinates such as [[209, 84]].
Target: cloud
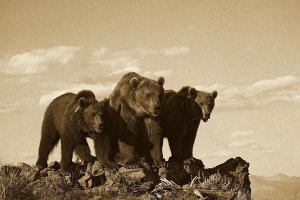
[[6, 109], [99, 89], [241, 143], [37, 61], [42, 60], [173, 51], [158, 73], [264, 93], [296, 154], [118, 62], [240, 133], [244, 139], [221, 153], [268, 150]]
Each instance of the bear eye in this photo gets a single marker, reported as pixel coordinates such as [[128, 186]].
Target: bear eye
[[148, 95]]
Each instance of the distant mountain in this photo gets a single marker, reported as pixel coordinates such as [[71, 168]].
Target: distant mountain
[[278, 187]]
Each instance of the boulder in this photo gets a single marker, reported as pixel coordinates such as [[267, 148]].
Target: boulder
[[54, 165], [174, 172], [134, 174]]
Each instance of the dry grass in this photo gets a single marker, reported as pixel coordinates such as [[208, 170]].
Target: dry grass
[[12, 186], [218, 182]]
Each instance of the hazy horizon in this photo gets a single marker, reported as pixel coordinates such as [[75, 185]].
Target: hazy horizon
[[249, 51]]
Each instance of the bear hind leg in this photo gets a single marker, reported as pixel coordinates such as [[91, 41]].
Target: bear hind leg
[[49, 138], [175, 144]]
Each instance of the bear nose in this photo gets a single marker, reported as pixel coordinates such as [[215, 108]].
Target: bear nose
[[207, 116]]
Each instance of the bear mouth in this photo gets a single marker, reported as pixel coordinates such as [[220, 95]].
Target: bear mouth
[[205, 119], [156, 114], [97, 130]]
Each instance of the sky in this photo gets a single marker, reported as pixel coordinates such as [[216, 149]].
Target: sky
[[249, 51]]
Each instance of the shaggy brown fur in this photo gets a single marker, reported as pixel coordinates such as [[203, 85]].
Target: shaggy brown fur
[[136, 104], [71, 118], [181, 114]]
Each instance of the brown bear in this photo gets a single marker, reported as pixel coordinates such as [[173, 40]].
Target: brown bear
[[181, 113], [71, 118], [134, 109]]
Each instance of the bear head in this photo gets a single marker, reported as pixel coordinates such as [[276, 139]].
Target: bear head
[[148, 95], [92, 114], [206, 101]]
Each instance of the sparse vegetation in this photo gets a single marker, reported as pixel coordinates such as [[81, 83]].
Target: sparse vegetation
[[218, 182], [25, 182], [13, 186]]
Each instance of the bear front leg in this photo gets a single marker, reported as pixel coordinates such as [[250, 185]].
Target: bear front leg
[[154, 135], [103, 145], [67, 148], [82, 150], [126, 157], [189, 139]]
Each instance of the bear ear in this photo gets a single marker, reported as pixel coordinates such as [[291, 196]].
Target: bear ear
[[214, 94], [192, 93], [161, 81], [83, 102], [134, 82], [104, 102]]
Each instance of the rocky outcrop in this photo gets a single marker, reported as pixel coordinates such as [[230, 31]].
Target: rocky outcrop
[[229, 180]]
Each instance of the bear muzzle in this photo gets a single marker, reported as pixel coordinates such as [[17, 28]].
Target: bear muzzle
[[206, 117]]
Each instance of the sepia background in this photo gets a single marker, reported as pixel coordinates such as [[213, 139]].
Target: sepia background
[[249, 51]]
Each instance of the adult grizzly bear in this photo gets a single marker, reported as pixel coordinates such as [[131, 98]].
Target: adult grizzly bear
[[71, 118], [181, 113], [135, 106]]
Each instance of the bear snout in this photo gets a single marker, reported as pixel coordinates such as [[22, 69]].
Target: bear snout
[[157, 110], [206, 117]]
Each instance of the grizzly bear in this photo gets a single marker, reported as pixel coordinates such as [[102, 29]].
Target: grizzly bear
[[134, 110], [71, 118], [181, 113]]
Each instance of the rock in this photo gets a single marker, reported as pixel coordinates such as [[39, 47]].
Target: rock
[[109, 182], [198, 194], [83, 181], [22, 164], [186, 187], [68, 179], [28, 172], [135, 174], [8, 169], [55, 176], [89, 181], [147, 186], [89, 167], [31, 184], [95, 191], [97, 168], [44, 172], [236, 167], [193, 166], [174, 172], [54, 165], [98, 180]]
